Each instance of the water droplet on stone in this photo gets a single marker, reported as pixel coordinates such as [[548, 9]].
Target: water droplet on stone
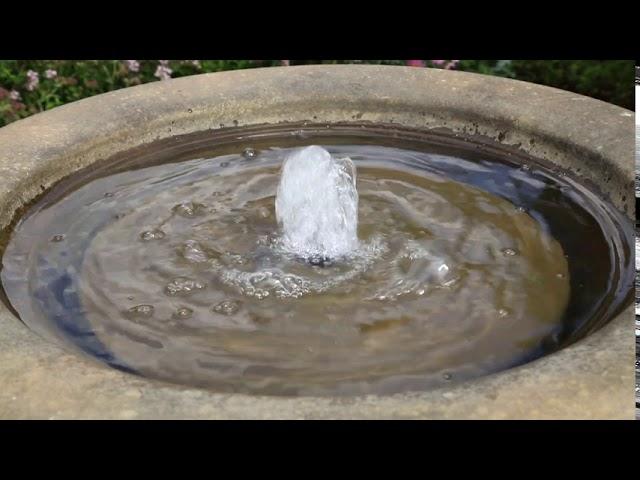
[[525, 167], [227, 307], [503, 312], [521, 209], [509, 252], [57, 238], [182, 286], [142, 310], [152, 235]]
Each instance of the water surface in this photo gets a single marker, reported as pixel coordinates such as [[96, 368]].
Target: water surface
[[167, 261]]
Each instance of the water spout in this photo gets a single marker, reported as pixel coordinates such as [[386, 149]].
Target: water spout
[[317, 204]]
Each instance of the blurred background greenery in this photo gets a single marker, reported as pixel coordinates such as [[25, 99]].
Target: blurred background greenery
[[31, 86]]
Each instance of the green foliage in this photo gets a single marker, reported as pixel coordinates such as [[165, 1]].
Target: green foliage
[[500, 68], [608, 80]]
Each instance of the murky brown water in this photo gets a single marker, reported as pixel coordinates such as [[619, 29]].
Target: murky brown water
[[171, 267]]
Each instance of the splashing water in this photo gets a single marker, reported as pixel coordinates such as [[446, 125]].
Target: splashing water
[[317, 204]]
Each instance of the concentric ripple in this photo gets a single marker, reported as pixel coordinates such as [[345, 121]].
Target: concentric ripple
[[177, 271]]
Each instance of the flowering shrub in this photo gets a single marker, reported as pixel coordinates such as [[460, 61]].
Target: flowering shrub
[[31, 86]]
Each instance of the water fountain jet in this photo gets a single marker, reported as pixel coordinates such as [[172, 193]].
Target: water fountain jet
[[317, 205]]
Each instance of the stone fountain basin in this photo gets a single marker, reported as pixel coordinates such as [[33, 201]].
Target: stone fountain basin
[[591, 379]]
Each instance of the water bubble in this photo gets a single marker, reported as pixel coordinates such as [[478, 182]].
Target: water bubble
[[227, 307], [229, 258], [249, 153], [182, 286], [264, 212], [444, 268], [451, 282], [509, 252], [142, 311], [182, 313], [193, 252], [447, 376], [57, 238], [319, 261], [224, 164], [560, 275], [108, 194], [521, 210], [188, 209], [152, 235], [300, 134], [503, 312], [420, 291], [525, 167]]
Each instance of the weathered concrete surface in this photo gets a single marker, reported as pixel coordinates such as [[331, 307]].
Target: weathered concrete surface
[[591, 379]]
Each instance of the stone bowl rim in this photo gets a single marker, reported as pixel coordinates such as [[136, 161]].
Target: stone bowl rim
[[37, 151]]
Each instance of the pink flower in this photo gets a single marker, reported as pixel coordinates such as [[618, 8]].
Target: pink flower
[[164, 63], [163, 72], [416, 63], [438, 63], [50, 73], [452, 65], [33, 79], [132, 65], [15, 95]]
